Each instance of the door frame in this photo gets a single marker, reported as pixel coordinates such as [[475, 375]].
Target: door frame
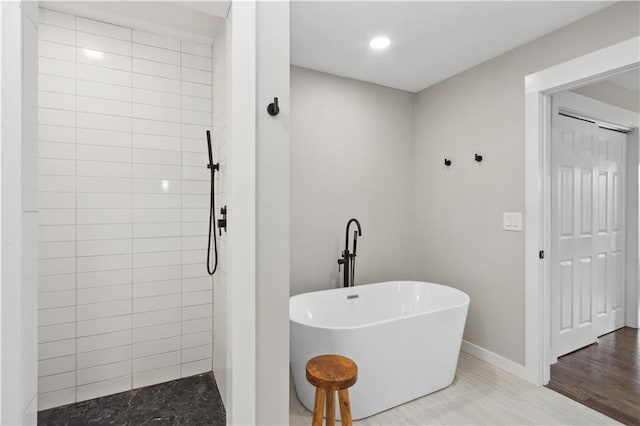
[[539, 87], [615, 115], [241, 239]]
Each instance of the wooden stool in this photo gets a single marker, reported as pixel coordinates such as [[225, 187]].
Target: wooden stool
[[331, 373]]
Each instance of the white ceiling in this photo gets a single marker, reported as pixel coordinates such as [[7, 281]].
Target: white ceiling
[[195, 21], [216, 8], [430, 41]]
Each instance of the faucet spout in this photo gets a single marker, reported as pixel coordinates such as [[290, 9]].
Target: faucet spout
[[348, 259], [346, 232]]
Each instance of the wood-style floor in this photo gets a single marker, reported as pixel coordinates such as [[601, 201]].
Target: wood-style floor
[[604, 376], [480, 395]]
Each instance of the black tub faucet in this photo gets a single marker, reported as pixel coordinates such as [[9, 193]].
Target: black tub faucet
[[348, 259]]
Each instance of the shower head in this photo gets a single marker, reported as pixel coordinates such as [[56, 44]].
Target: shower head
[[213, 167], [209, 147]]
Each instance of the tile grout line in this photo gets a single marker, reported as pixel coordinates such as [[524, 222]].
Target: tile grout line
[[181, 217], [215, 188], [102, 98], [131, 357], [75, 33]]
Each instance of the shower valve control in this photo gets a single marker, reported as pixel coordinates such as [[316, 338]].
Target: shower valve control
[[222, 223]]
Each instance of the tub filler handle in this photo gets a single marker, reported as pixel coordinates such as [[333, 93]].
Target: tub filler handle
[[352, 296]]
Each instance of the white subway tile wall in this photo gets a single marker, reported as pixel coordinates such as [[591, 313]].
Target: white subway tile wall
[[124, 297], [219, 65]]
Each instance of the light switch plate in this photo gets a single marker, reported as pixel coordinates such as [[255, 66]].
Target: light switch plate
[[512, 221]]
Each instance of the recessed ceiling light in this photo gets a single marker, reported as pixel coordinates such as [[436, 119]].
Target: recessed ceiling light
[[379, 42]]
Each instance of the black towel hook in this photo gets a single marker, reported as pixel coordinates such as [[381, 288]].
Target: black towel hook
[[447, 162], [478, 158], [273, 108]]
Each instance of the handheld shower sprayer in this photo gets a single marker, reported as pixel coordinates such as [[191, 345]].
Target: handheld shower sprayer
[[212, 207]]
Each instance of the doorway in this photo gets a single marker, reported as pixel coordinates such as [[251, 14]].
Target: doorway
[[593, 243], [590, 190], [539, 89]]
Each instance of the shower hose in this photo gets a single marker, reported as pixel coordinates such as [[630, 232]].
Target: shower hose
[[212, 207]]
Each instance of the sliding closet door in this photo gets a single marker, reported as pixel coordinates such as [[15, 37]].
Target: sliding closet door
[[610, 237], [587, 231], [573, 274]]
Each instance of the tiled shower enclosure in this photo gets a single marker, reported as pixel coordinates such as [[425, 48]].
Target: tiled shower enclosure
[[124, 297]]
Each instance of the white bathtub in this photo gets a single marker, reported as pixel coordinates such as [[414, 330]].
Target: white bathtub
[[405, 337]]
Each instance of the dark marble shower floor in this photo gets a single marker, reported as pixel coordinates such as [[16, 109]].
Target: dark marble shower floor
[[190, 401]]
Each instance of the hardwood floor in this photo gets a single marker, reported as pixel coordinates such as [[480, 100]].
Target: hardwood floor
[[604, 376]]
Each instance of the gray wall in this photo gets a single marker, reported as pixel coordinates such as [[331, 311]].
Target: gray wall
[[609, 93], [460, 241], [352, 149]]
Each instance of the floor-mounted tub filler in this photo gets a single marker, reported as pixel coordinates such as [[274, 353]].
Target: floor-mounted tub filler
[[405, 337]]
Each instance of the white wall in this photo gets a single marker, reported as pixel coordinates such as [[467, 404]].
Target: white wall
[[460, 241], [3, 261], [240, 400], [352, 148], [219, 134], [125, 299], [633, 228], [29, 308], [272, 214], [18, 291]]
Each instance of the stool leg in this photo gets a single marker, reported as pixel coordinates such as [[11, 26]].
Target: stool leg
[[345, 407], [331, 408], [318, 407]]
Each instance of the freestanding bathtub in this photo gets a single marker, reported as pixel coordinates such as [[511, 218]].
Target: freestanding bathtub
[[405, 337]]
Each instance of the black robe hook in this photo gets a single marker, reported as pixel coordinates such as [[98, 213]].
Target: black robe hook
[[273, 108]]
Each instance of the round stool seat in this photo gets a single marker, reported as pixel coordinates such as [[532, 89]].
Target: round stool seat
[[332, 372]]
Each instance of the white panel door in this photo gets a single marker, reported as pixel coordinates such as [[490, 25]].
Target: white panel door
[[587, 231], [610, 236], [573, 234]]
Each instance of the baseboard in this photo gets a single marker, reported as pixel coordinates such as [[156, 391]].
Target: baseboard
[[494, 359]]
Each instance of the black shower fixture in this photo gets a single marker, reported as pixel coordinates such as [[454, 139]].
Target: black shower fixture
[[348, 259], [273, 109], [447, 162], [213, 167], [222, 223], [478, 158]]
